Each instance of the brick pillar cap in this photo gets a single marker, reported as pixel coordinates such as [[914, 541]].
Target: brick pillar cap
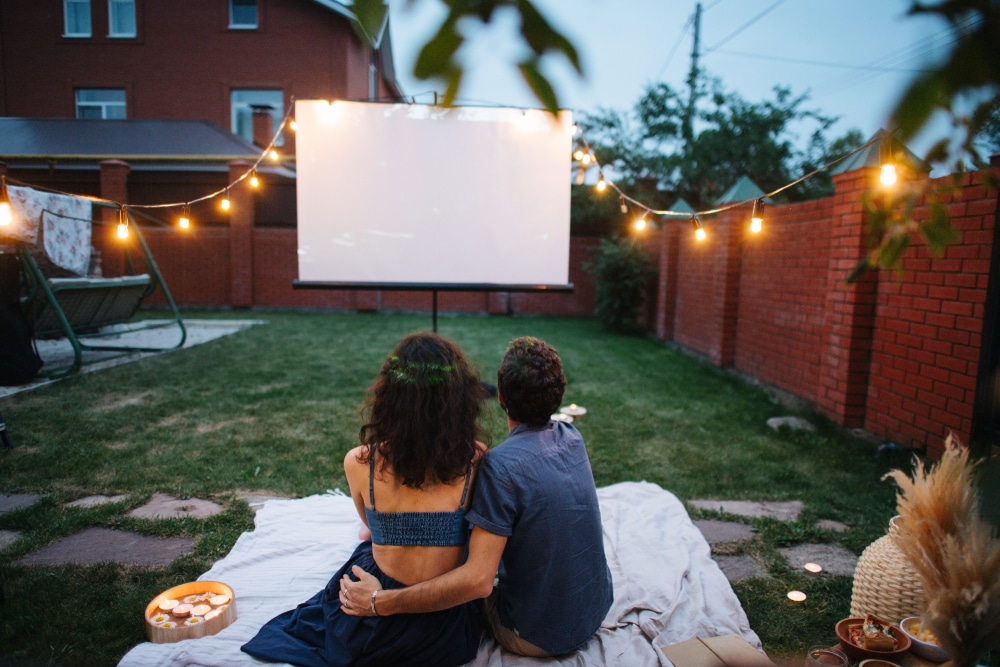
[[114, 163]]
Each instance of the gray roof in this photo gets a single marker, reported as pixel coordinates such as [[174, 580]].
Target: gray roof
[[130, 140], [681, 206], [872, 156], [742, 190]]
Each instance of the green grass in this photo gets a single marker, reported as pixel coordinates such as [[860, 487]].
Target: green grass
[[275, 408]]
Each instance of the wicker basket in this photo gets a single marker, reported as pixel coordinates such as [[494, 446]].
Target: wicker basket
[[885, 584]]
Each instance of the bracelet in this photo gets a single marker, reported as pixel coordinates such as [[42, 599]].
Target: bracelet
[[374, 611]]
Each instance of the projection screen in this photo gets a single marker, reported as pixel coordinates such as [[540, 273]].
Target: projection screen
[[417, 195]]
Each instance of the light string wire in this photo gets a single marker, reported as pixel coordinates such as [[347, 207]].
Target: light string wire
[[686, 214]]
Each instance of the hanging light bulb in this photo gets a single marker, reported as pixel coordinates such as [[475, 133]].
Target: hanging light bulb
[[578, 155], [185, 220], [888, 175], [699, 231], [273, 155], [122, 223], [586, 159], [293, 126], [225, 203], [640, 224], [621, 199], [6, 212], [254, 181], [757, 217], [601, 185]]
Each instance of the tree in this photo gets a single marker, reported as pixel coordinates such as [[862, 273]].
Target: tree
[[622, 269], [732, 138]]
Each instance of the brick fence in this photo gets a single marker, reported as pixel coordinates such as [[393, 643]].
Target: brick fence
[[897, 356]]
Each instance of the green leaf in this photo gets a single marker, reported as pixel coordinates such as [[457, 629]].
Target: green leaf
[[891, 251], [539, 85], [435, 59], [938, 232], [542, 37], [924, 96]]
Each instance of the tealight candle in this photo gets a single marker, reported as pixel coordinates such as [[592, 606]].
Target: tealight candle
[[796, 596], [813, 567], [181, 610], [200, 609], [218, 600], [168, 605]]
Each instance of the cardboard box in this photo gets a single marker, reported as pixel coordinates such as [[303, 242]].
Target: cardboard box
[[725, 651]]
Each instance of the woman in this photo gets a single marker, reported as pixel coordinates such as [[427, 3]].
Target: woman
[[410, 480]]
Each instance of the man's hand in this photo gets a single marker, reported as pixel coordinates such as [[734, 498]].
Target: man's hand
[[356, 596]]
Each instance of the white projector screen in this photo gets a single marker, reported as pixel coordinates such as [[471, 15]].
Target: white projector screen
[[415, 195]]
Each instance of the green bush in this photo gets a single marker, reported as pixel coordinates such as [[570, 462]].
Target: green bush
[[621, 269]]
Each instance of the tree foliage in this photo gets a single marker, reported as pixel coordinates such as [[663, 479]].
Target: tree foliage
[[732, 138], [622, 270]]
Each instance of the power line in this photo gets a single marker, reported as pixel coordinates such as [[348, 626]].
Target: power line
[[673, 49], [819, 63], [743, 27]]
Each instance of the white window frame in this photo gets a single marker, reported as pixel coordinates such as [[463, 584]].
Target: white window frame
[[70, 18], [122, 6], [233, 25], [107, 107], [241, 110]]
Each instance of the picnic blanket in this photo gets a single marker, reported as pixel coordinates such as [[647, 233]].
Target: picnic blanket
[[667, 587]]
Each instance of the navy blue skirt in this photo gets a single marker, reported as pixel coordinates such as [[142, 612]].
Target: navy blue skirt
[[318, 634]]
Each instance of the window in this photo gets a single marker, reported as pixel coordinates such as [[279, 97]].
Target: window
[[121, 18], [242, 103], [76, 17], [243, 14], [100, 103]]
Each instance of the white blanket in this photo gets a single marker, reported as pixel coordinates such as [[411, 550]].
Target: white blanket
[[667, 587]]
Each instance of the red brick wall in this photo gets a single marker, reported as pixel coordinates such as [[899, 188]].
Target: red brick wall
[[926, 344], [782, 297]]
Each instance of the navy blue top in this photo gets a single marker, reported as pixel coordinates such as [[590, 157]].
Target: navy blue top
[[537, 489], [416, 529]]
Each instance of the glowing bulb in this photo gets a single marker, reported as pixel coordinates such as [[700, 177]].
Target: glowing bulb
[[756, 224], [122, 230], [293, 126], [225, 203], [757, 217], [700, 234], [254, 181], [578, 155], [888, 175], [6, 214], [601, 185], [185, 220], [585, 160], [640, 224], [274, 155]]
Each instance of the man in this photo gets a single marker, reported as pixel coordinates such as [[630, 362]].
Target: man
[[536, 527]]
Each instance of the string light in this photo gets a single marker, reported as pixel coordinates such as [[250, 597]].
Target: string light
[[225, 203], [887, 176], [640, 224], [699, 231], [274, 155], [292, 125], [185, 219], [6, 212], [585, 160], [601, 185], [623, 204], [757, 217], [254, 181], [578, 155], [122, 223]]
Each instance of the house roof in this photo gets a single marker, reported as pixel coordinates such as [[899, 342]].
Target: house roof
[[872, 156], [681, 206], [742, 190], [132, 140]]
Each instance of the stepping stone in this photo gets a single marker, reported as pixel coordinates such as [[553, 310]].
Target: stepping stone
[[8, 537], [834, 558], [782, 511], [99, 545], [11, 502], [737, 568], [94, 501], [792, 423], [162, 506], [835, 526], [717, 532]]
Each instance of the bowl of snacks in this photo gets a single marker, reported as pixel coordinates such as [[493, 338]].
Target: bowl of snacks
[[871, 637], [925, 644]]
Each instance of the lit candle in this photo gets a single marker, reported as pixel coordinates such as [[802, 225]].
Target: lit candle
[[796, 596], [168, 605], [813, 567]]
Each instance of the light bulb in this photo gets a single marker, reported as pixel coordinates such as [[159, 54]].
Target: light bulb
[[578, 155], [624, 206], [700, 234], [185, 220], [254, 181], [756, 224], [122, 230], [274, 155], [6, 214], [292, 125], [757, 217], [601, 185], [225, 203], [888, 175], [640, 224], [585, 160]]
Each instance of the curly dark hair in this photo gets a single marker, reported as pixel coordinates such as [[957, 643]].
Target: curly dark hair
[[421, 415], [531, 381]]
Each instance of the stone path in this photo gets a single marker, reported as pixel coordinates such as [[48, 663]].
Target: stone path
[[94, 545]]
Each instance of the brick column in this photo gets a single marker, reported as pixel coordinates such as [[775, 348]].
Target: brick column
[[241, 237], [114, 187], [850, 308], [666, 293]]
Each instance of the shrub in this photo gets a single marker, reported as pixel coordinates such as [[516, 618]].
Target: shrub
[[621, 269]]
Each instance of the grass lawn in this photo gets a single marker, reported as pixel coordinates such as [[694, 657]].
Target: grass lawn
[[274, 409]]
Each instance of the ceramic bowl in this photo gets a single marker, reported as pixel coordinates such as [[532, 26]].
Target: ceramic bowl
[[857, 653], [877, 662], [926, 650]]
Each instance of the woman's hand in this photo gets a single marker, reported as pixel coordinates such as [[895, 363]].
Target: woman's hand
[[356, 596]]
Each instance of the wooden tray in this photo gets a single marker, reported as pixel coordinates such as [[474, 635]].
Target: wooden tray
[[161, 635]]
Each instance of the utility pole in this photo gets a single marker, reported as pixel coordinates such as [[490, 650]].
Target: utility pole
[[692, 81]]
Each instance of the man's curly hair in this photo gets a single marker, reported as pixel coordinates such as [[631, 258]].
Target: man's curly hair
[[421, 416], [531, 381]]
